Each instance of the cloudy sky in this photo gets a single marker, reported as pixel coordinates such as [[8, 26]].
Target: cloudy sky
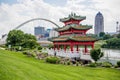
[[15, 12]]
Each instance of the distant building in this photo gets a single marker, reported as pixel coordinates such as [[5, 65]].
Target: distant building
[[53, 33], [39, 30], [99, 23], [117, 27]]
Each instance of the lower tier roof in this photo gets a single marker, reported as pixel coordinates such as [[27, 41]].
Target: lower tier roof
[[74, 38]]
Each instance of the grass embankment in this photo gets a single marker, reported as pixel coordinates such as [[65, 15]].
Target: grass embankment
[[16, 66], [99, 43]]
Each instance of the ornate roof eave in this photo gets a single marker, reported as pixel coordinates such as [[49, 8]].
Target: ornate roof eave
[[85, 27], [73, 16], [67, 19], [71, 38]]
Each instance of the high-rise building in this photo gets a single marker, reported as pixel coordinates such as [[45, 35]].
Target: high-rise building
[[99, 23], [39, 30]]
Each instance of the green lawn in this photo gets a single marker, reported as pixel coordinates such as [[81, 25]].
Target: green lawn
[[99, 43], [16, 66]]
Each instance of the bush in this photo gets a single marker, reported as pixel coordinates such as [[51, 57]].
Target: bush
[[52, 60], [99, 64], [77, 63], [118, 63], [68, 62], [39, 48], [25, 53], [116, 66], [106, 64], [29, 54], [92, 65]]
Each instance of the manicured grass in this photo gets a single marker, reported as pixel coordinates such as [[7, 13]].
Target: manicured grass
[[16, 66], [99, 43]]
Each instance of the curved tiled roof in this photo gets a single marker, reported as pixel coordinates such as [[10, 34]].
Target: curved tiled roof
[[73, 16], [74, 26], [75, 38]]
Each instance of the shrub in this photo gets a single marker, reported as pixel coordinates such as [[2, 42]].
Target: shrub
[[99, 64], [77, 63], [25, 52], [92, 65], [29, 54], [116, 66], [52, 60], [118, 63], [106, 64], [39, 48], [68, 62]]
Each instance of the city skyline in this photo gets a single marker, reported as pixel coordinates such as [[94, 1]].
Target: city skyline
[[15, 12]]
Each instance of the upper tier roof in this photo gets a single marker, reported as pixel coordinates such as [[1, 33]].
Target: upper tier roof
[[73, 16], [74, 26]]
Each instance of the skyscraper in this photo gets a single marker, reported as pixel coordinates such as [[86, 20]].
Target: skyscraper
[[99, 23]]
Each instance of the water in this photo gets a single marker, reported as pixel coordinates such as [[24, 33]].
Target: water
[[111, 52], [111, 55]]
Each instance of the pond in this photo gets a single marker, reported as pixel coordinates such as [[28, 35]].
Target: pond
[[111, 52], [111, 55]]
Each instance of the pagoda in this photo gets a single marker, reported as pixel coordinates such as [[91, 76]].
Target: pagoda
[[73, 35]]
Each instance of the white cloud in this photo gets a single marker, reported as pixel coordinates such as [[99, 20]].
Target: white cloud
[[13, 15]]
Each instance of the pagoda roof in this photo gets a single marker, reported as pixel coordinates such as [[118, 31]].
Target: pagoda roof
[[73, 16], [74, 26], [74, 38]]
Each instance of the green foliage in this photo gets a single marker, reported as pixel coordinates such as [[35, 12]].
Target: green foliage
[[106, 64], [99, 64], [92, 65], [19, 38], [15, 38], [40, 48], [68, 62], [107, 36], [101, 34], [96, 54], [77, 63], [118, 35], [52, 60], [118, 63], [50, 46], [112, 43], [25, 53], [29, 54]]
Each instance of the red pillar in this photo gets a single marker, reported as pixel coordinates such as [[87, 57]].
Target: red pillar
[[77, 47], [65, 47], [92, 46], [85, 49], [58, 47], [54, 47], [71, 46]]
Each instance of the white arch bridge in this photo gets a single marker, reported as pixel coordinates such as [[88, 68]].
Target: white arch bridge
[[3, 40]]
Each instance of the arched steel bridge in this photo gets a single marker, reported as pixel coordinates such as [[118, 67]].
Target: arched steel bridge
[[34, 20], [3, 40]]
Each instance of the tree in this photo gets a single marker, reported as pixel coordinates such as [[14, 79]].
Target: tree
[[107, 36], [29, 41], [101, 34], [96, 54], [19, 38], [15, 38], [118, 35]]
